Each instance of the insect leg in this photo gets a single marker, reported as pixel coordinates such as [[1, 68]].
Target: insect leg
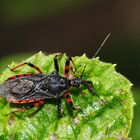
[[67, 66], [56, 63], [29, 64], [39, 103], [19, 75], [59, 108], [70, 101], [89, 86], [36, 104], [21, 110]]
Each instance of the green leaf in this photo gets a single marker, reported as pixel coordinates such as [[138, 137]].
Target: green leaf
[[97, 121], [136, 123]]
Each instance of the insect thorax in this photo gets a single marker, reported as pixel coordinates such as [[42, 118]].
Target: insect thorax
[[55, 84]]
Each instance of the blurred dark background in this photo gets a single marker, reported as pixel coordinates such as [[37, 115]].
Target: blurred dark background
[[74, 27]]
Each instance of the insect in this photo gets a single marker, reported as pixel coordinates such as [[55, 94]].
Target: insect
[[36, 89]]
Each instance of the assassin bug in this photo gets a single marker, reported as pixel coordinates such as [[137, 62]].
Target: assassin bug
[[36, 89]]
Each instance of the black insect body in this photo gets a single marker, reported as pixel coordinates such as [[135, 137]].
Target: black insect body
[[36, 89]]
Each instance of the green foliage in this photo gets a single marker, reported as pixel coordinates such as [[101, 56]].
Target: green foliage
[[136, 123], [96, 121]]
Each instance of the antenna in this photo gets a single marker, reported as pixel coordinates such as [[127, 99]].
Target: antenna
[[104, 41], [101, 45]]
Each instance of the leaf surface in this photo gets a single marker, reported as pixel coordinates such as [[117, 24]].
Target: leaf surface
[[96, 121]]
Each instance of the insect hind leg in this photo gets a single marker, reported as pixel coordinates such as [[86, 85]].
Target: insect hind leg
[[19, 75], [29, 64], [20, 110], [38, 104], [36, 111]]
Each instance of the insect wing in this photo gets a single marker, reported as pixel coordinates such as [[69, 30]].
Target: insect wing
[[25, 88]]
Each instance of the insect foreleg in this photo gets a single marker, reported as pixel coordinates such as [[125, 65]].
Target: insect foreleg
[[89, 86]]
